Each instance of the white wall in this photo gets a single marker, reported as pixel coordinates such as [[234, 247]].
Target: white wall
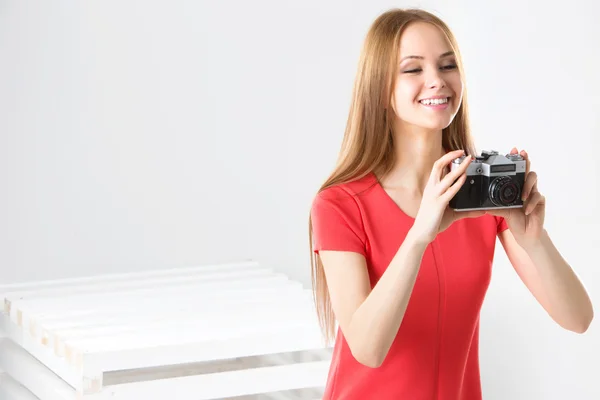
[[138, 134]]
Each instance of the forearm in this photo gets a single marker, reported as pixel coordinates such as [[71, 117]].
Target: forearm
[[375, 323], [570, 304]]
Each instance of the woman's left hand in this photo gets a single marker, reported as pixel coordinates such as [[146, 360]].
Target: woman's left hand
[[526, 223]]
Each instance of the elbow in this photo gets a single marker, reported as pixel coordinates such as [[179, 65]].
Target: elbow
[[370, 359], [368, 349], [582, 324], [580, 329], [370, 362]]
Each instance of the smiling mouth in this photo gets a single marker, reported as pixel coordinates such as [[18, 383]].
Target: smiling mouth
[[435, 102]]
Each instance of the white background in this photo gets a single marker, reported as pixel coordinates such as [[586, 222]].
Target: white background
[[155, 134]]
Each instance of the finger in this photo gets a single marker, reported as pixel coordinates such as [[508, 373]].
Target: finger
[[447, 159], [453, 175], [530, 183], [535, 200], [514, 150], [452, 190], [443, 161], [524, 154]]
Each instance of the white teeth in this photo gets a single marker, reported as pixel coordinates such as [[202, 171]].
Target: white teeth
[[429, 102]]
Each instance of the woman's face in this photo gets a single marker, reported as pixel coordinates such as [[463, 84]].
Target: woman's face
[[429, 87]]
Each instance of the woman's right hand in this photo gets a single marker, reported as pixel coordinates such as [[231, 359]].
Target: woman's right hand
[[434, 214]]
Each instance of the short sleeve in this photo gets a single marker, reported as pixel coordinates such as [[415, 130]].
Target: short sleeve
[[501, 223], [337, 223]]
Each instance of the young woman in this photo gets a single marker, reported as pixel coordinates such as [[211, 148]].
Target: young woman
[[402, 274]]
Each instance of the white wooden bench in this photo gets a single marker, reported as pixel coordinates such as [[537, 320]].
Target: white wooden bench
[[230, 331]]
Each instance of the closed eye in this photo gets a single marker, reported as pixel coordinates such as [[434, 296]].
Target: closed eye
[[444, 68], [449, 67]]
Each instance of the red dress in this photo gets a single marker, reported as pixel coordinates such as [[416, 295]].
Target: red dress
[[435, 354]]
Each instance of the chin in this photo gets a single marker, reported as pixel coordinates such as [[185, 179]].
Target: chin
[[435, 125], [428, 121]]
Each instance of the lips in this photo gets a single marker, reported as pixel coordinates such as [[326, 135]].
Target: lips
[[435, 101], [437, 96]]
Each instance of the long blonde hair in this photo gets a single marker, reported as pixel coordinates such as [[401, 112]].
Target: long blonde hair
[[368, 143]]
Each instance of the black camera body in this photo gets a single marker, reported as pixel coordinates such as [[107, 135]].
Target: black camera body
[[493, 181]]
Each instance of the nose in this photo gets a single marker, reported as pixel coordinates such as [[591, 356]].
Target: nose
[[435, 80]]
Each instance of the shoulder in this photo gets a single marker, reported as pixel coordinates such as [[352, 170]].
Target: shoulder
[[338, 217], [346, 196], [343, 204]]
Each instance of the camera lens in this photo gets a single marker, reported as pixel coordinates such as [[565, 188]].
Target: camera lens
[[504, 191]]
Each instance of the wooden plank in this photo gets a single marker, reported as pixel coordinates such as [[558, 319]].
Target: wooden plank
[[108, 324], [47, 327], [221, 385], [22, 310], [29, 372], [293, 394], [289, 338], [125, 285], [88, 377], [220, 365], [81, 305], [61, 286], [172, 321], [194, 330], [265, 340], [47, 386], [44, 356], [195, 300], [12, 390], [66, 282], [129, 285]]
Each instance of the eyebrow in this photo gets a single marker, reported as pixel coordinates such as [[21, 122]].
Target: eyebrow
[[446, 54]]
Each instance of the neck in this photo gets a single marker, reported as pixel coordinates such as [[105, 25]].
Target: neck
[[416, 151]]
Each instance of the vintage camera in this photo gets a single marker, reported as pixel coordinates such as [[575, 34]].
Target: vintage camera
[[493, 181]]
